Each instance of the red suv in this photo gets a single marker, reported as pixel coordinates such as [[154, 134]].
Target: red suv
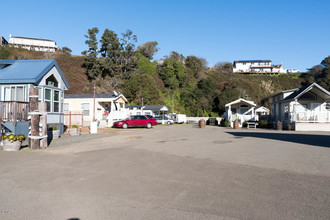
[[136, 121]]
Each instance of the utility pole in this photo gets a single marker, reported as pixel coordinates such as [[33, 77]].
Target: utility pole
[[94, 102], [142, 107], [173, 104]]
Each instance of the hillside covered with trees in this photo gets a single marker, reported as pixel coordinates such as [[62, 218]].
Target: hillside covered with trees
[[117, 63]]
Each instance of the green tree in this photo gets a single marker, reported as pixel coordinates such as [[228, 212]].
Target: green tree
[[91, 63], [173, 73], [139, 86], [207, 93], [145, 66], [111, 53], [326, 73], [148, 49], [5, 52], [229, 94], [223, 68], [129, 53], [196, 66], [66, 50]]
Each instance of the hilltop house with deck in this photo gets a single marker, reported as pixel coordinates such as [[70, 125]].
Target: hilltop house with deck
[[306, 108], [37, 44], [257, 66], [16, 78]]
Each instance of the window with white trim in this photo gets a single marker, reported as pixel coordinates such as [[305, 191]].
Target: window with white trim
[[14, 93], [66, 107], [286, 112], [85, 109], [48, 99], [56, 101], [39, 94]]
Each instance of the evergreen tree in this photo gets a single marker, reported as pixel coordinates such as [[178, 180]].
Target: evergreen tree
[[91, 63]]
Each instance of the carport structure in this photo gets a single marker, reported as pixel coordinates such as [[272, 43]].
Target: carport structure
[[157, 110]]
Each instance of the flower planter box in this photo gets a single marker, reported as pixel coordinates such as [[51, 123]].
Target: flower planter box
[[52, 135], [74, 131], [11, 146]]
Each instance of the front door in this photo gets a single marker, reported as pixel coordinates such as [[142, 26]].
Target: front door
[[316, 111]]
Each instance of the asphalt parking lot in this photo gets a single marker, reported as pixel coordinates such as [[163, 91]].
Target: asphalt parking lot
[[171, 172]]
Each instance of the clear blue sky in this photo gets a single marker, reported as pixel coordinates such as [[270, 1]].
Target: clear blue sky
[[295, 33]]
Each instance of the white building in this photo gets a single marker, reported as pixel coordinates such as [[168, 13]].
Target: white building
[[107, 108], [37, 44], [257, 66], [306, 108]]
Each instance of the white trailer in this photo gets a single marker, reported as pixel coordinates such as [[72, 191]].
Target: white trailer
[[178, 118]]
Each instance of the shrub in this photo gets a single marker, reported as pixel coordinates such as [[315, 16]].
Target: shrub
[[245, 124], [225, 123], [264, 124], [74, 126], [20, 137]]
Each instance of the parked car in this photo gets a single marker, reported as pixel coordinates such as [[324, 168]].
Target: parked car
[[136, 121], [164, 120], [150, 116]]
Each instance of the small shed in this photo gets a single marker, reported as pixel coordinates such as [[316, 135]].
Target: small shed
[[241, 110], [261, 113]]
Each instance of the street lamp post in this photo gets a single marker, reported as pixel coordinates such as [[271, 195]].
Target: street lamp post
[[94, 102]]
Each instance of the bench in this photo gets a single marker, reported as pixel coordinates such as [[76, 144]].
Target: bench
[[251, 125]]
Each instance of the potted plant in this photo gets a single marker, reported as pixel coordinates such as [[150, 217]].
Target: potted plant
[[12, 142], [74, 130], [53, 133]]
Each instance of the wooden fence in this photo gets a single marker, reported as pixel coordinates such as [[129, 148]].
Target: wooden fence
[[73, 118], [14, 111]]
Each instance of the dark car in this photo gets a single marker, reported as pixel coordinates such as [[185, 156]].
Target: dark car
[[136, 121]]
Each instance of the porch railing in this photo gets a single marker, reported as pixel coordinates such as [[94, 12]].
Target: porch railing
[[311, 116], [12, 111]]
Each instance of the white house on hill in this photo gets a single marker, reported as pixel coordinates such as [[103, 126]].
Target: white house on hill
[[257, 66], [37, 44]]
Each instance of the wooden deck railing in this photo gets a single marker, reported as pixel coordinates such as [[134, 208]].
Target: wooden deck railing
[[14, 111]]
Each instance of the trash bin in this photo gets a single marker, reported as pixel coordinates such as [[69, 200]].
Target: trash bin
[[202, 123], [278, 125], [236, 124], [93, 127], [212, 121]]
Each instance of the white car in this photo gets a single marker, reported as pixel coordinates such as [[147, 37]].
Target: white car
[[164, 120]]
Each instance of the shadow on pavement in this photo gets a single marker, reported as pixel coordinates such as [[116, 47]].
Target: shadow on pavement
[[310, 139]]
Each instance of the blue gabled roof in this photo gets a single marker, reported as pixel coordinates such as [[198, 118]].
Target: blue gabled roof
[[27, 71]]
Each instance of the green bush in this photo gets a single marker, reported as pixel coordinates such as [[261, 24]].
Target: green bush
[[225, 123], [264, 124], [74, 126], [244, 124]]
